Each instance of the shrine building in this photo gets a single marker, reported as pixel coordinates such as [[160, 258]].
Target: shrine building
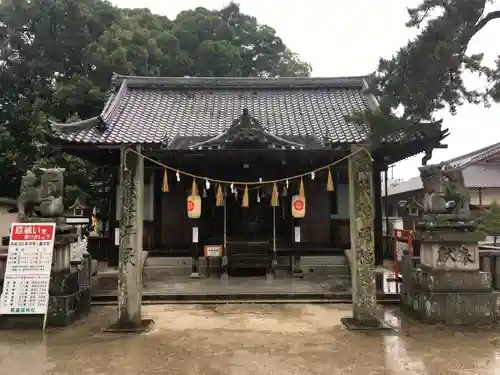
[[222, 133]]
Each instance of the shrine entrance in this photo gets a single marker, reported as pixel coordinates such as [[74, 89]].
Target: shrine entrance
[[253, 233]]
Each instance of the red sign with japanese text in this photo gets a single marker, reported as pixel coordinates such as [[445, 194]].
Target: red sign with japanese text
[[190, 205], [32, 232]]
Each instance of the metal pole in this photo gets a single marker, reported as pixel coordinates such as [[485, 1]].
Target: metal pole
[[387, 231], [224, 263], [225, 220], [274, 232]]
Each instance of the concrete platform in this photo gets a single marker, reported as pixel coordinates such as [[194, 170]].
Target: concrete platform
[[333, 288], [162, 268]]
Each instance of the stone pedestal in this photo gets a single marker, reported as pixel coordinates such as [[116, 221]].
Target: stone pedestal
[[450, 251], [447, 286]]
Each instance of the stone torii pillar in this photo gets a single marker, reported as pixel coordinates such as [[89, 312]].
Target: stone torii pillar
[[131, 242], [361, 212]]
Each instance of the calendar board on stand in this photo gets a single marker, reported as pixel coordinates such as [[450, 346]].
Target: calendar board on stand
[[27, 274]]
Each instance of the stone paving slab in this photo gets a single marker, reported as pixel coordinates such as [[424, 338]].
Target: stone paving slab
[[243, 286], [248, 340]]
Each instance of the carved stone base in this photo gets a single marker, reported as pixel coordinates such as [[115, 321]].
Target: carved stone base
[[297, 275], [373, 325], [454, 308], [269, 277], [448, 250], [432, 280], [145, 326]]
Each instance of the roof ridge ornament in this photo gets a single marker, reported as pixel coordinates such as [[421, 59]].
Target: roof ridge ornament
[[246, 121], [246, 130]]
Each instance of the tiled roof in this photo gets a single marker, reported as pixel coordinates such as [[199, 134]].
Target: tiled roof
[[482, 176], [161, 110], [477, 173], [475, 156], [394, 188]]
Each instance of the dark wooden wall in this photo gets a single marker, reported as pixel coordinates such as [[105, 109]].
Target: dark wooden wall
[[316, 224], [175, 224], [319, 230]]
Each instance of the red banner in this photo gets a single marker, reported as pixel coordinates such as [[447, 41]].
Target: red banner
[[32, 232]]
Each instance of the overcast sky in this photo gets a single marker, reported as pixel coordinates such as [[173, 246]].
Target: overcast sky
[[342, 38]]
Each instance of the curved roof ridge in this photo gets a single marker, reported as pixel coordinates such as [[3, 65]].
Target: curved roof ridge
[[473, 156], [113, 102], [110, 108], [242, 82], [75, 125]]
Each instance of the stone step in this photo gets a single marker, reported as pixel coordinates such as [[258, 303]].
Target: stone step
[[161, 268], [321, 270], [104, 281], [158, 273], [332, 260]]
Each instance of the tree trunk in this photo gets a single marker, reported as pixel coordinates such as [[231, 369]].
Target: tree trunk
[[130, 249]]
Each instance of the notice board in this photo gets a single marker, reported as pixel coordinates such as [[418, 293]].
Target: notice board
[[27, 274]]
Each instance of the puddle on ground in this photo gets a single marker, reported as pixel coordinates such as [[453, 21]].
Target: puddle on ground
[[250, 339]]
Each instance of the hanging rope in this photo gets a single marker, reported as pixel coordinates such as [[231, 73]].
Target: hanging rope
[[245, 183]]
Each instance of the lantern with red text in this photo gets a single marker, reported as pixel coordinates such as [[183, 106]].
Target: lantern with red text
[[194, 206], [298, 206], [194, 203]]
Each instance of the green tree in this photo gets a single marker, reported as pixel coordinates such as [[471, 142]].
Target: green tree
[[58, 57], [426, 75], [489, 221]]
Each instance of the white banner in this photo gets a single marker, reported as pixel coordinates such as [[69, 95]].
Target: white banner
[[27, 274]]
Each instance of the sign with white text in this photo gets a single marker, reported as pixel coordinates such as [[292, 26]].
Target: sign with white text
[[27, 274], [213, 250]]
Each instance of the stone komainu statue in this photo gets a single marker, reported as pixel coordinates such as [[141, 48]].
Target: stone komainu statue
[[455, 193], [42, 197], [444, 189], [432, 182]]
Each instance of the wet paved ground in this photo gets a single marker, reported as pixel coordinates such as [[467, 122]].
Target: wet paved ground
[[250, 339]]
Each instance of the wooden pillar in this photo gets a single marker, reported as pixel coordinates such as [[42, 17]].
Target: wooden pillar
[[361, 228], [377, 217], [131, 241], [158, 209], [112, 252]]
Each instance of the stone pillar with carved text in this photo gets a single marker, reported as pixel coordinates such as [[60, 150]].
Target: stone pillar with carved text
[[130, 248], [362, 238]]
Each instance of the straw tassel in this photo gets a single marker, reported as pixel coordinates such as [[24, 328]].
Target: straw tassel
[[301, 189], [329, 184], [219, 200], [274, 196], [194, 189], [244, 200], [164, 185]]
